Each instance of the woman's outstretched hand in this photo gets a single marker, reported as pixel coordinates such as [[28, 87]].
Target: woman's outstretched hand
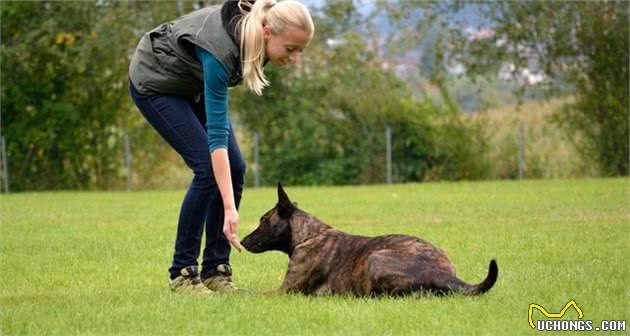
[[230, 228]]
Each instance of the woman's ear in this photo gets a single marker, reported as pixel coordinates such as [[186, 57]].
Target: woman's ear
[[267, 32]]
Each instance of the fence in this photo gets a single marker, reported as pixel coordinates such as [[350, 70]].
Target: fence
[[255, 167]]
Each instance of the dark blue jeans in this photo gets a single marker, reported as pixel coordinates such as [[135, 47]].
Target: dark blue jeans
[[181, 122]]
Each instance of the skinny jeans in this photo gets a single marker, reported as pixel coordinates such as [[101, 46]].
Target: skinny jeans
[[182, 123]]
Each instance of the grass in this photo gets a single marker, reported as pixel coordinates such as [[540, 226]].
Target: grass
[[95, 262]]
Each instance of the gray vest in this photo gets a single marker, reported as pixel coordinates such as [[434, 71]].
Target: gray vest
[[165, 63]]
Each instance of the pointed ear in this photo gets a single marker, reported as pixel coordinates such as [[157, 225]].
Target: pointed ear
[[283, 198], [285, 207]]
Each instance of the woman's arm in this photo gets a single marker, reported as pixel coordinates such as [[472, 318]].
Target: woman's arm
[[221, 169], [217, 126]]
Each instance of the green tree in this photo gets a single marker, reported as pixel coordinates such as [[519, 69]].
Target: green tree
[[64, 95], [324, 122], [65, 105], [584, 44], [38, 59]]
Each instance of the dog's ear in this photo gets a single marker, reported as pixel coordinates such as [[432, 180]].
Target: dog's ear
[[283, 198], [285, 207]]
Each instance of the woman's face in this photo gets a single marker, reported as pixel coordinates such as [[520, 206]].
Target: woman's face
[[285, 48]]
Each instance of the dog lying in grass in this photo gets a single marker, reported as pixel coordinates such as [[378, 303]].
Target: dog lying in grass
[[323, 260]]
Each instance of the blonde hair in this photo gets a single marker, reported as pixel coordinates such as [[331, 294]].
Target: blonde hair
[[278, 16]]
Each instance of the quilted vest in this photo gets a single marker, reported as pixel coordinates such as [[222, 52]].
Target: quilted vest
[[164, 61]]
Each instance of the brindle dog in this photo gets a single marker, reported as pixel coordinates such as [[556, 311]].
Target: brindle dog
[[323, 260]]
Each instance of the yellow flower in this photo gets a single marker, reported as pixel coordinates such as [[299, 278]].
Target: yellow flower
[[70, 39], [59, 38], [65, 38]]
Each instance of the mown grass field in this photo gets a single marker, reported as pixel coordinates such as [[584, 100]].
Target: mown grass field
[[95, 262]]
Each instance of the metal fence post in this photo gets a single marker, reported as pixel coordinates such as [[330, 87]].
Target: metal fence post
[[521, 150], [256, 162], [180, 7], [128, 160], [5, 164], [388, 151]]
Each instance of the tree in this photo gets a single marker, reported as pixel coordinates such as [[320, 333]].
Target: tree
[[324, 122], [583, 44], [65, 103]]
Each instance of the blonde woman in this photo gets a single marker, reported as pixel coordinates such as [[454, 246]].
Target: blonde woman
[[179, 79]]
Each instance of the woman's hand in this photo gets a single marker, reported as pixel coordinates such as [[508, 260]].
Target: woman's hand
[[230, 227]]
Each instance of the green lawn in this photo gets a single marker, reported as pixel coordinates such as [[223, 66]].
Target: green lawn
[[95, 262]]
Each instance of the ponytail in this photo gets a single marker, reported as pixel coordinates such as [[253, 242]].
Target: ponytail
[[252, 43]]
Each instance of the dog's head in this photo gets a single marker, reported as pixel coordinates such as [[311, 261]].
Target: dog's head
[[273, 231]]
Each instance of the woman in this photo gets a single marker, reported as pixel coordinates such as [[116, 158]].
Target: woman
[[179, 79]]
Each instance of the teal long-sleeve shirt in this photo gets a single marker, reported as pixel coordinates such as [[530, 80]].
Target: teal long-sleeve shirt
[[215, 83]]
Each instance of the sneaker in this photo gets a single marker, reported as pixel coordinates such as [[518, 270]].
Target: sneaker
[[188, 281], [220, 280]]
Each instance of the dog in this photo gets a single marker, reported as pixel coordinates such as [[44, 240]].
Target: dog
[[323, 260]]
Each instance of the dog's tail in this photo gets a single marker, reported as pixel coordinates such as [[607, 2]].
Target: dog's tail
[[487, 283]]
